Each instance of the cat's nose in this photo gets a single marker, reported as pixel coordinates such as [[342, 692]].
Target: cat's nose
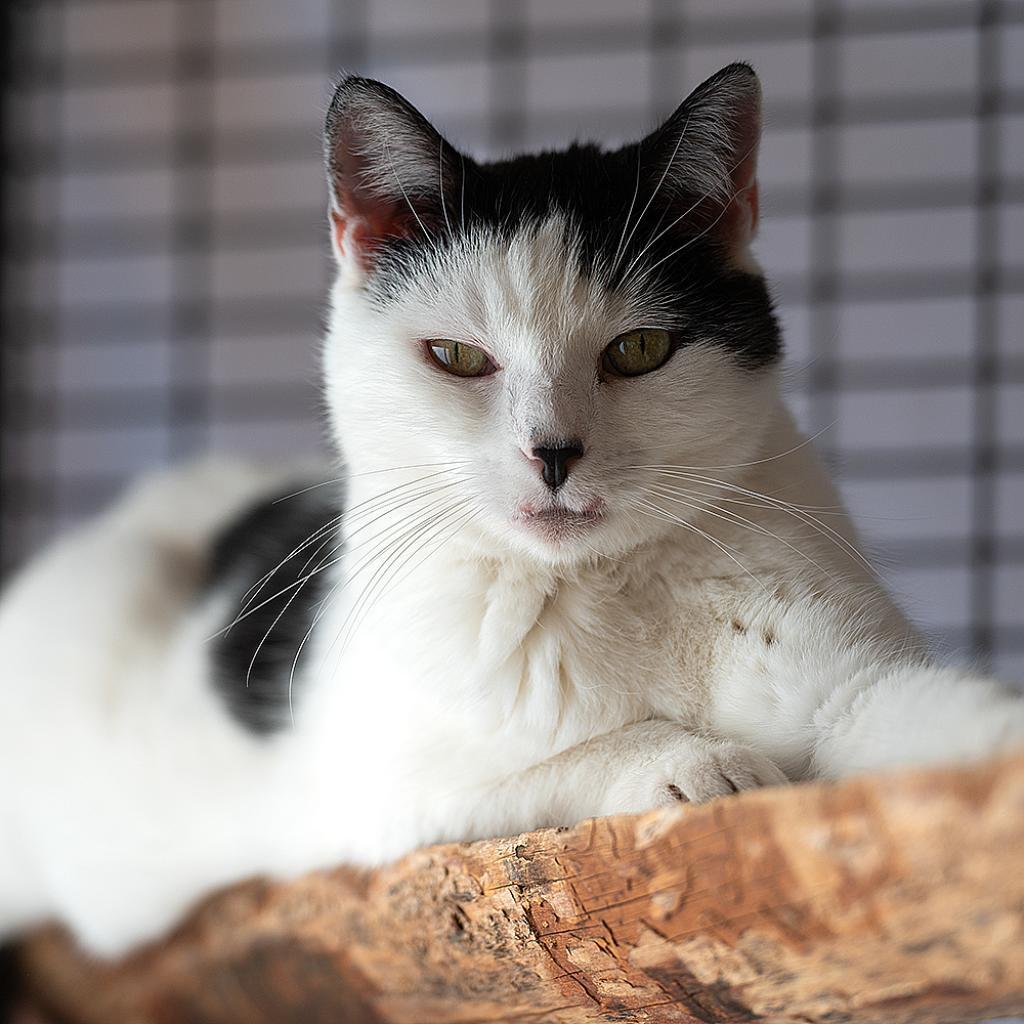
[[557, 462]]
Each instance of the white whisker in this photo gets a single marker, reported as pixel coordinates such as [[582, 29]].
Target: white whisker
[[755, 462], [707, 195], [649, 508], [343, 582], [783, 506], [408, 202], [674, 494], [440, 184], [661, 180], [356, 511], [462, 192], [387, 554], [629, 212]]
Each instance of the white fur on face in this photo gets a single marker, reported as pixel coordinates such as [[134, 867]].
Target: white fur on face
[[545, 324]]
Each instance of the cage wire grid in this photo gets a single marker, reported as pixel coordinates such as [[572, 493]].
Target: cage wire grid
[[166, 261]]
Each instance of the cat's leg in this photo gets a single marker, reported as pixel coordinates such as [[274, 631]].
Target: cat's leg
[[636, 768], [808, 686], [913, 714]]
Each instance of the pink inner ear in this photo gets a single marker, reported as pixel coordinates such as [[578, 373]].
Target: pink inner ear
[[735, 222], [739, 222], [350, 238], [742, 215], [364, 213], [365, 222], [753, 201], [338, 231]]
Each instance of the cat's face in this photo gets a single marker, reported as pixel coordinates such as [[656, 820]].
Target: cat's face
[[529, 338]]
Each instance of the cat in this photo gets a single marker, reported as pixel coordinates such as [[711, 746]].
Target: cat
[[580, 560]]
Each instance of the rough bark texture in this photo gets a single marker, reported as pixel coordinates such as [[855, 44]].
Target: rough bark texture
[[890, 899]]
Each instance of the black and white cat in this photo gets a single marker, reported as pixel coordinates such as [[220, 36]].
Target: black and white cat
[[586, 564]]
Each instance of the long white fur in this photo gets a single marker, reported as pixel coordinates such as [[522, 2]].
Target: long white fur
[[467, 677]]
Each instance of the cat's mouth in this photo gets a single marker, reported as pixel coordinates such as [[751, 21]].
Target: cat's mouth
[[558, 522]]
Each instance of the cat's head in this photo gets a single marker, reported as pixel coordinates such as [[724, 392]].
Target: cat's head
[[529, 336]]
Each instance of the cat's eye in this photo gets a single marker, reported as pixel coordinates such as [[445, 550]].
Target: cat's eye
[[460, 358], [637, 352]]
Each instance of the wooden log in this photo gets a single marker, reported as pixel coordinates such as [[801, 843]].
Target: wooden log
[[887, 899]]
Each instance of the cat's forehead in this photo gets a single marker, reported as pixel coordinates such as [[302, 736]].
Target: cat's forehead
[[532, 284], [550, 242]]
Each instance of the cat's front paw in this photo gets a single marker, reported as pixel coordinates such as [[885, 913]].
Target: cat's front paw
[[691, 771]]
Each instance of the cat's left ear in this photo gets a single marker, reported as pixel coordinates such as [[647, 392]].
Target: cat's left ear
[[706, 152], [391, 174]]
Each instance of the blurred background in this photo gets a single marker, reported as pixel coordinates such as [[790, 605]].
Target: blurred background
[[165, 255]]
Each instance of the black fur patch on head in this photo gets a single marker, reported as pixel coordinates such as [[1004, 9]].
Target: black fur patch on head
[[663, 217], [251, 663]]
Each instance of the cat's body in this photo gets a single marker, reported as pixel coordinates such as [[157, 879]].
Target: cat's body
[[558, 589]]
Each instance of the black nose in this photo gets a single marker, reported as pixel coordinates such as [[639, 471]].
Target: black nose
[[557, 462]]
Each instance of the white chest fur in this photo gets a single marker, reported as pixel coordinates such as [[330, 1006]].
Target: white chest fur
[[484, 669]]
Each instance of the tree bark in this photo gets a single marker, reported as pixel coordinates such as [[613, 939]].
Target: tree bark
[[884, 899]]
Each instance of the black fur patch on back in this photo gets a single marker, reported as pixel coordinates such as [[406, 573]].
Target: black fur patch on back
[[255, 685], [11, 982]]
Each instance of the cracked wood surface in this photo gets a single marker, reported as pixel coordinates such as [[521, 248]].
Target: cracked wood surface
[[889, 899]]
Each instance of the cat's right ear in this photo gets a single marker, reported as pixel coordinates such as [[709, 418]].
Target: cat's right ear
[[391, 175]]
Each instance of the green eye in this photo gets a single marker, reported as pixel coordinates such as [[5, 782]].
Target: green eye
[[459, 358], [637, 352]]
